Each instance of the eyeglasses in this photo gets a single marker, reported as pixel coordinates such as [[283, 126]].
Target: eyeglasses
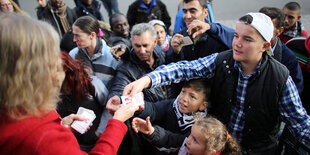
[[6, 5]]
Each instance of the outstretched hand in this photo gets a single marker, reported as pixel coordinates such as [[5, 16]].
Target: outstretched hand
[[118, 50], [126, 111], [143, 126], [137, 86]]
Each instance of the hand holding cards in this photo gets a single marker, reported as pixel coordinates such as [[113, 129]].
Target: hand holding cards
[[187, 41], [81, 126], [137, 99]]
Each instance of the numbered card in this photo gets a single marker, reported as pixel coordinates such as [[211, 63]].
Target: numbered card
[[187, 41], [81, 126], [137, 100]]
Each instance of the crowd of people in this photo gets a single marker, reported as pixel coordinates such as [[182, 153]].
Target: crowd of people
[[207, 88]]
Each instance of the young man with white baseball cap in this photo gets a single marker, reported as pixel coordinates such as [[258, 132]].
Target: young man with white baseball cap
[[251, 91]]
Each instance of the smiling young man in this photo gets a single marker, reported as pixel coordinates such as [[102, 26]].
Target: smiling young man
[[194, 11], [251, 91]]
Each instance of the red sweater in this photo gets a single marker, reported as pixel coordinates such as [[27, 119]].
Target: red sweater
[[46, 136]]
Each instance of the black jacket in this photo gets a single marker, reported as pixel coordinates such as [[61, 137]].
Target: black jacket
[[54, 20], [167, 135], [204, 46], [94, 11], [132, 69], [136, 14], [261, 108]]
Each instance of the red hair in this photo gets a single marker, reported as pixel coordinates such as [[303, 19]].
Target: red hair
[[77, 81]]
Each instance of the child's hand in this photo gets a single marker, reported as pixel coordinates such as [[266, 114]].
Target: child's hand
[[144, 126]]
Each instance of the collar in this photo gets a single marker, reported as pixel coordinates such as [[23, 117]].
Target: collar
[[238, 66], [148, 9], [274, 46]]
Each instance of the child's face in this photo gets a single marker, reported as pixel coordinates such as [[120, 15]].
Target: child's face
[[191, 100], [196, 142]]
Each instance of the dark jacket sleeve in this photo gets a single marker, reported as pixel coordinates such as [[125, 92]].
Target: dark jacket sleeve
[[291, 62], [165, 15], [156, 110], [166, 139], [120, 81], [222, 33], [131, 15]]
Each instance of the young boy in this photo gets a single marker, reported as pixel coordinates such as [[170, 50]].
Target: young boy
[[250, 90], [173, 118]]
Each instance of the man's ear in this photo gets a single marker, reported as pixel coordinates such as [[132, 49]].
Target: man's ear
[[266, 45], [280, 30], [155, 42], [205, 12], [203, 106], [299, 17]]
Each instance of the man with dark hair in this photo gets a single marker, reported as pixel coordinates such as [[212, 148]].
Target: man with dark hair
[[251, 91], [194, 12], [59, 15], [120, 30], [278, 49], [293, 26]]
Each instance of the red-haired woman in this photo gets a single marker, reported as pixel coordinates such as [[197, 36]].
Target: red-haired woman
[[79, 89]]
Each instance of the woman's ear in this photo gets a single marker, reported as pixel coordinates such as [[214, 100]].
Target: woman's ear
[[93, 35]]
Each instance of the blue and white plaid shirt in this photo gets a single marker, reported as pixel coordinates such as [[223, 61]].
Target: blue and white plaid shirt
[[290, 106]]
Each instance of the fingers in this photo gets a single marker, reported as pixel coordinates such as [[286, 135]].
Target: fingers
[[113, 104], [117, 51], [148, 122], [135, 124], [137, 86]]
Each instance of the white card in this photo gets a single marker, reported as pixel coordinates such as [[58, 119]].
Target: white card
[[137, 99], [81, 126], [187, 41]]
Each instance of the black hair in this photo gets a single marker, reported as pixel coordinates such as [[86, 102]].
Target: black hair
[[114, 16], [203, 3], [200, 84], [274, 13], [294, 6], [248, 19]]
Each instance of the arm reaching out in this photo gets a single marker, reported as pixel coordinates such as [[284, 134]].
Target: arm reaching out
[[143, 126], [126, 111], [137, 86]]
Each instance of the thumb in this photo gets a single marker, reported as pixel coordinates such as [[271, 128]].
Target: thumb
[[148, 122]]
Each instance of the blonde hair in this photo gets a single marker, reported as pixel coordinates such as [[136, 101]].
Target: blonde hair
[[30, 66], [17, 9], [217, 136]]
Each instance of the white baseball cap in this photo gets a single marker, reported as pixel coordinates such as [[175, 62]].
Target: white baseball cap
[[263, 24]]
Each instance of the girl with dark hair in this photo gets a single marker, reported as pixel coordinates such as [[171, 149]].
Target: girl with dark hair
[[80, 89]]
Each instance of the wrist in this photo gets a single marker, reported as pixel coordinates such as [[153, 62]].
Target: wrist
[[152, 129]]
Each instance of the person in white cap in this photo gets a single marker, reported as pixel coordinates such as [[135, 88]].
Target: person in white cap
[[251, 91]]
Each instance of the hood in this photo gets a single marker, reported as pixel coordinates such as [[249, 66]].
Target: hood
[[14, 133]]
